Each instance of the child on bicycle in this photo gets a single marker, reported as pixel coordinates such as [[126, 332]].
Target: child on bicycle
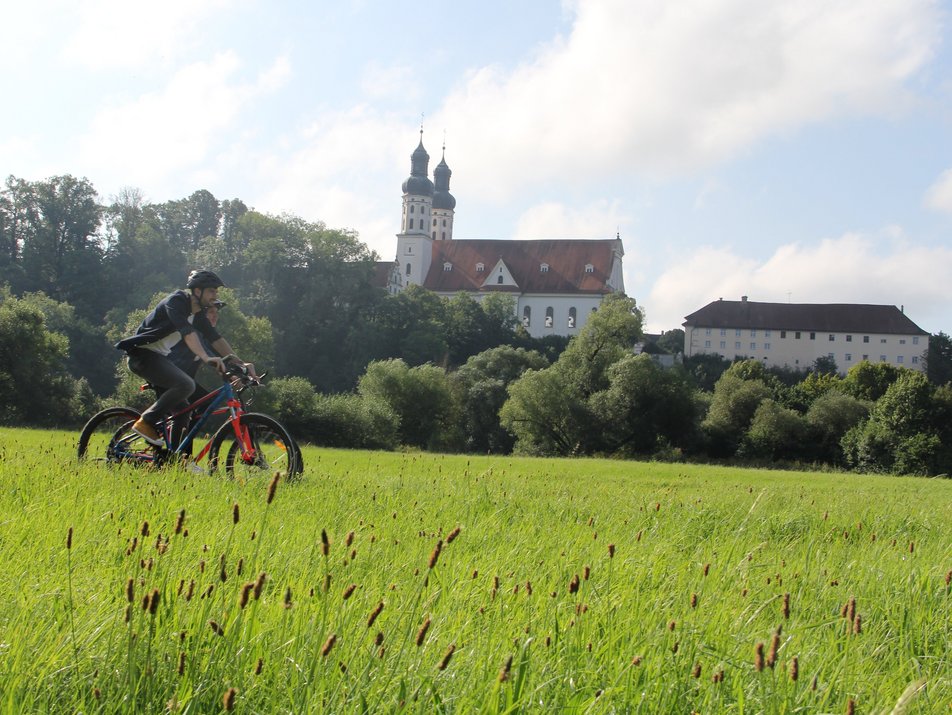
[[179, 317]]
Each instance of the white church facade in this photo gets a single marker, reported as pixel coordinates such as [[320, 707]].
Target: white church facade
[[555, 283]]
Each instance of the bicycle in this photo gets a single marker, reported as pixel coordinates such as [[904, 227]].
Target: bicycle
[[256, 443]]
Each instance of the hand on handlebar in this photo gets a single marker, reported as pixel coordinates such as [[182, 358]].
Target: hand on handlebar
[[217, 363]]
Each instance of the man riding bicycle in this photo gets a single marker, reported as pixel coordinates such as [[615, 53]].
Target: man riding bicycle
[[179, 317]]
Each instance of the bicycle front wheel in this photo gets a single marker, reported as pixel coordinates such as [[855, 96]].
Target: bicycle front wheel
[[108, 437], [259, 446]]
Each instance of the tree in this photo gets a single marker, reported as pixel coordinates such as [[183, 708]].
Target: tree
[[775, 432], [545, 417], [939, 359], [421, 397], [732, 409], [645, 407], [869, 381], [483, 383], [35, 387], [831, 415]]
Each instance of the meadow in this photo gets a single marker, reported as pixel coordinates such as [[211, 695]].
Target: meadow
[[403, 582]]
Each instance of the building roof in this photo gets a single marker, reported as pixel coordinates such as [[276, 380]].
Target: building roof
[[819, 317], [566, 259], [382, 271]]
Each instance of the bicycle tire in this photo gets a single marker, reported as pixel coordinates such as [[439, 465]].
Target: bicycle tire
[[274, 449], [103, 431]]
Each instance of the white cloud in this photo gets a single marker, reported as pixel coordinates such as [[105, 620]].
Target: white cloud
[[111, 33], [853, 268], [600, 219], [939, 195], [160, 133], [656, 86]]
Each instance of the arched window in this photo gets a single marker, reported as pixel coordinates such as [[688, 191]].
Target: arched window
[[443, 236], [434, 235], [408, 269], [480, 267], [412, 208], [543, 267], [549, 317], [447, 266], [526, 316], [572, 317], [434, 222], [499, 279]]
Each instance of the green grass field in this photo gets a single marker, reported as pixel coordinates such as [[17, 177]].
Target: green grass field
[[570, 586]]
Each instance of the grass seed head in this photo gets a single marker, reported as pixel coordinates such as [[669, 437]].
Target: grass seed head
[[259, 584], [259, 666], [180, 522], [693, 600], [145, 529], [506, 668], [181, 663], [421, 634], [325, 543], [446, 657], [228, 699], [328, 644], [772, 654], [850, 706], [435, 556], [706, 569], [349, 591], [216, 627], [573, 584], [69, 539], [858, 624], [130, 590], [452, 536], [786, 605], [235, 514], [287, 598], [273, 487], [696, 671], [349, 539], [794, 669], [759, 657], [153, 601], [373, 614]]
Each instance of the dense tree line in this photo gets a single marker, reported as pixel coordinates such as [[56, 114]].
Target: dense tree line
[[353, 366]]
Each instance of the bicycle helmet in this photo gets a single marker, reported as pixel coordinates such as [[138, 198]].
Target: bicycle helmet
[[203, 279]]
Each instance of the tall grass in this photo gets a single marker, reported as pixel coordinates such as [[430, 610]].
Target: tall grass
[[568, 585]]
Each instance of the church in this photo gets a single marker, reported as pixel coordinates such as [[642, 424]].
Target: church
[[556, 283]]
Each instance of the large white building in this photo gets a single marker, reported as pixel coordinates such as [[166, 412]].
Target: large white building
[[556, 283], [796, 334]]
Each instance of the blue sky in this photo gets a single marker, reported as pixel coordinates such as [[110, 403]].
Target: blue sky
[[784, 151]]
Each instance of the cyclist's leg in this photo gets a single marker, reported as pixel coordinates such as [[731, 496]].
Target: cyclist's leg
[[175, 385], [183, 424]]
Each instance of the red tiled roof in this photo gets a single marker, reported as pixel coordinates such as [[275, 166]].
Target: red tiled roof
[[820, 317], [566, 259], [381, 277]]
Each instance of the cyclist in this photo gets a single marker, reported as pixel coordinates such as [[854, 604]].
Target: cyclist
[[179, 317]]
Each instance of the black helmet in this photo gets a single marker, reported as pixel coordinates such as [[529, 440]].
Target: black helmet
[[203, 279]]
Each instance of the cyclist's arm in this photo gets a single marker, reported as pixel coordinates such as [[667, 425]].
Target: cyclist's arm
[[194, 343], [222, 347]]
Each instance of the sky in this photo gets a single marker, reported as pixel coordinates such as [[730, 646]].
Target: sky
[[784, 151]]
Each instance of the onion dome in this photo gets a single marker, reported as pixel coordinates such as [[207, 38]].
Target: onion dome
[[442, 198], [418, 183]]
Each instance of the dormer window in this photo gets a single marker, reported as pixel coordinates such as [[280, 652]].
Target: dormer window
[[480, 267], [543, 268], [589, 268], [447, 266]]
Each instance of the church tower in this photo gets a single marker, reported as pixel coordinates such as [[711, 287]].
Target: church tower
[[444, 203], [414, 242]]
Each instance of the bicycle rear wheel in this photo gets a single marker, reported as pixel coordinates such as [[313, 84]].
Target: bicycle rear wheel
[[108, 437], [269, 449]]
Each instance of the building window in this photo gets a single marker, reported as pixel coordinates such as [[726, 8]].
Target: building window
[[707, 331], [543, 268], [882, 340], [723, 344], [753, 333], [408, 269], [444, 222], [434, 222], [549, 317], [572, 317], [447, 266], [812, 336], [882, 358], [409, 250], [753, 346], [766, 346], [902, 341], [480, 267], [766, 333], [707, 343], [412, 208], [443, 235], [865, 338], [849, 338], [723, 332], [737, 333], [797, 335], [865, 357], [899, 359], [434, 235], [526, 316], [830, 355], [499, 279], [832, 337], [783, 334], [915, 341], [589, 268], [737, 345], [915, 359]]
